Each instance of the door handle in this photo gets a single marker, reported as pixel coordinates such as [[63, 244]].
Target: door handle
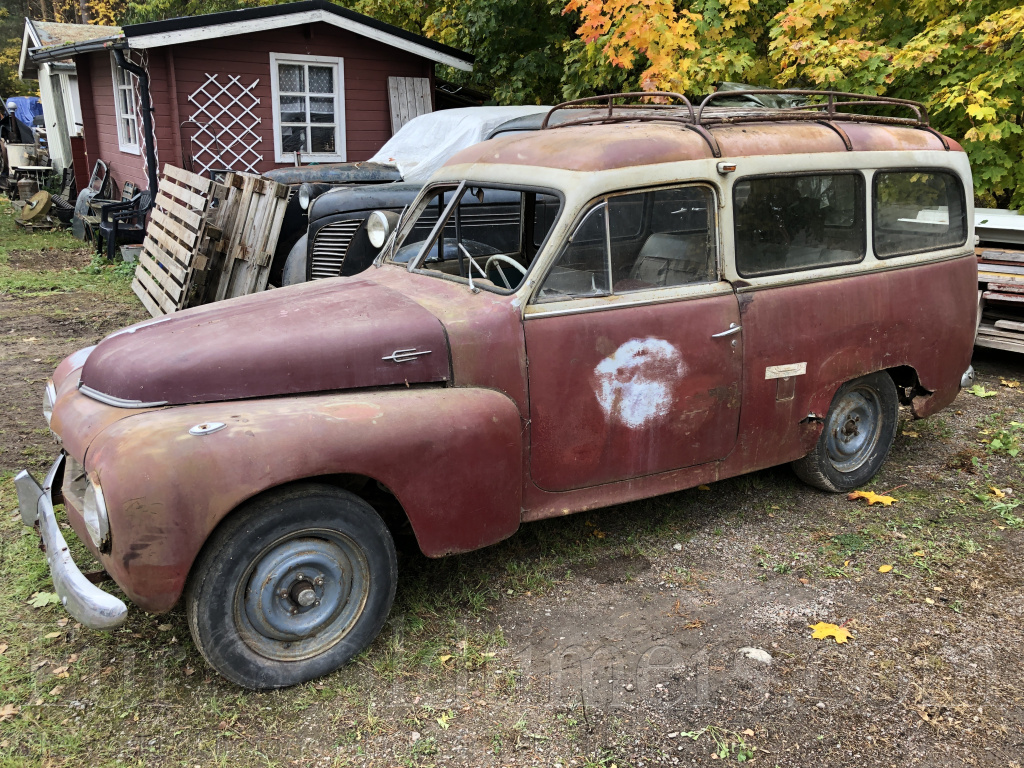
[[733, 328]]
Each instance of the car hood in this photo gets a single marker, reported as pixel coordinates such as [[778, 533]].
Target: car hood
[[321, 336]]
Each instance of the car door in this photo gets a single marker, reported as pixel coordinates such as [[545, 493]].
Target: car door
[[634, 344]]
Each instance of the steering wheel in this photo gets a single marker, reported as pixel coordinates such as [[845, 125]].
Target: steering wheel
[[505, 260]]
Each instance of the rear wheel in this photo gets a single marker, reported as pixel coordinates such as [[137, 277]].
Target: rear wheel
[[859, 431], [291, 586]]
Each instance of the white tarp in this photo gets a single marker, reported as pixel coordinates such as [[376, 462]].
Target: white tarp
[[426, 142]]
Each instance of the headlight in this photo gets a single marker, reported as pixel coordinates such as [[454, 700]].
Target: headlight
[[306, 195], [379, 226], [94, 514], [49, 398]]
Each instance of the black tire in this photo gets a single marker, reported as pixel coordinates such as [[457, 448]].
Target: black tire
[[848, 454], [291, 586]]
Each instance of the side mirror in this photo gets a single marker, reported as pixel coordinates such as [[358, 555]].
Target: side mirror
[[379, 226]]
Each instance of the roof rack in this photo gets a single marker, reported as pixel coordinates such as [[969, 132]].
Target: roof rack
[[825, 111]]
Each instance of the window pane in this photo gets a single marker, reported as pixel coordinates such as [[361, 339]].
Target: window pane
[[582, 269], [290, 78], [677, 248], [322, 139], [293, 109], [127, 106], [321, 110], [917, 212], [321, 80], [293, 139], [792, 223]]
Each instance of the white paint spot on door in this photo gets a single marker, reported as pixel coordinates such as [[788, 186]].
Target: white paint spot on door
[[634, 385]]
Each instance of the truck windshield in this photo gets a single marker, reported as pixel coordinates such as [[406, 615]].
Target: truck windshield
[[487, 237]]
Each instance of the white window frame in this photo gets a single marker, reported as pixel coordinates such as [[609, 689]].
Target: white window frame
[[339, 155], [124, 142]]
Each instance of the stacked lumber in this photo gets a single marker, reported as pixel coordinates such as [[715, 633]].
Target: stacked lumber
[[208, 241], [1000, 298]]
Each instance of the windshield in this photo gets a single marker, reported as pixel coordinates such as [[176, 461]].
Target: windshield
[[487, 237]]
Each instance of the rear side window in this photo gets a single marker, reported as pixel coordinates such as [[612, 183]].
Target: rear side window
[[917, 211], [793, 223]]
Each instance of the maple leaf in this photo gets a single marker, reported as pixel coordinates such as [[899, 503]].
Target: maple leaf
[[979, 391], [8, 710], [871, 498], [1011, 383], [43, 599], [996, 492], [823, 630]]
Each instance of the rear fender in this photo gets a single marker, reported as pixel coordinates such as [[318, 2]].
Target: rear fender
[[452, 457]]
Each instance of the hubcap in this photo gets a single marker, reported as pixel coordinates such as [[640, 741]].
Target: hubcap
[[302, 594], [853, 429]]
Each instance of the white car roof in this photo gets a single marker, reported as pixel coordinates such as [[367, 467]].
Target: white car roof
[[422, 145]]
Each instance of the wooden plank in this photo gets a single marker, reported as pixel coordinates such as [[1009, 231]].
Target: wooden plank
[[1008, 297], [147, 281], [1010, 325], [191, 219], [1006, 288], [188, 197], [184, 235], [396, 119], [165, 247], [162, 276], [147, 301], [991, 330], [994, 343], [199, 183]]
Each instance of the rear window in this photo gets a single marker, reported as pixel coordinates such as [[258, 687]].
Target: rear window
[[793, 223], [917, 211]]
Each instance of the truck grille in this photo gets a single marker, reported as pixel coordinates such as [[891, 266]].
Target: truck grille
[[330, 246]]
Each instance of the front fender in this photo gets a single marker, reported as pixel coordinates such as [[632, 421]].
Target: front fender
[[452, 457]]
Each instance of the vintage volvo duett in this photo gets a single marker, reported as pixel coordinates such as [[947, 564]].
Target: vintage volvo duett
[[670, 295]]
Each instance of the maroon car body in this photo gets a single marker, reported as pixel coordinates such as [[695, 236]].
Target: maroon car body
[[481, 409]]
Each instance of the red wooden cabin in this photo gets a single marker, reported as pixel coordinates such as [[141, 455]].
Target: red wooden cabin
[[250, 90]]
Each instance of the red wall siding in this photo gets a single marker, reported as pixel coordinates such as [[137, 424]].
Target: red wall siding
[[102, 144], [367, 66]]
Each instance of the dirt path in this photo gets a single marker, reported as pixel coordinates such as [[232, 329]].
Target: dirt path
[[609, 638]]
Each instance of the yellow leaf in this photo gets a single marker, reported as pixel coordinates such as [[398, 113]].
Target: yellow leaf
[[1011, 383], [703, 488], [8, 710], [823, 630], [164, 628], [919, 553], [929, 601], [747, 732], [884, 568], [444, 658], [3, 647], [51, 635], [871, 498], [996, 492]]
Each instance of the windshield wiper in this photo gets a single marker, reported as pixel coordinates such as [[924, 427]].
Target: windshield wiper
[[472, 263]]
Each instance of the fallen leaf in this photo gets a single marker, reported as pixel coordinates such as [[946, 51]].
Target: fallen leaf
[[919, 553], [51, 635], [996, 492], [31, 338], [871, 498], [60, 672], [703, 487], [39, 664], [189, 671], [164, 627], [56, 690], [1011, 383], [73, 658], [600, 534], [444, 658], [908, 433], [979, 391], [8, 710], [929, 601], [3, 648], [62, 622], [823, 630], [43, 599], [884, 568], [747, 732], [805, 582]]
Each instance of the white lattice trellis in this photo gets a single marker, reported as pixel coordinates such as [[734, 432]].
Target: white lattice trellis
[[226, 135]]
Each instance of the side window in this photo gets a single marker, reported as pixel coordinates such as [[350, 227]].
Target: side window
[[917, 211], [792, 223], [638, 241]]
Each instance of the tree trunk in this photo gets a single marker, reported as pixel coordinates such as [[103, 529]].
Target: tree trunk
[[86, 13]]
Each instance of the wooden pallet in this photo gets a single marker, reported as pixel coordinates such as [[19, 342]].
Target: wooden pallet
[[175, 228]]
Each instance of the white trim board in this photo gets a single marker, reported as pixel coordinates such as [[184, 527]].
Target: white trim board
[[340, 139], [214, 31]]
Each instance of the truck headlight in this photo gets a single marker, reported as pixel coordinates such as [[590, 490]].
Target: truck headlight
[[94, 514], [379, 225], [306, 196], [49, 398]]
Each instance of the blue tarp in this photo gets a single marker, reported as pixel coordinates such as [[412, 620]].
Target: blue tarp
[[24, 107]]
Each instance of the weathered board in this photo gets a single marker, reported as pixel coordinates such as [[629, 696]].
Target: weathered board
[[1001, 308], [409, 97]]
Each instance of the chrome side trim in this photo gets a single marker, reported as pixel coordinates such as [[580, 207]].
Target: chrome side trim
[[89, 604], [117, 402], [405, 355]]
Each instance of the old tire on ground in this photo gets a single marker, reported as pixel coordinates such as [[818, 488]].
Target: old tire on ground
[[858, 433], [291, 586]]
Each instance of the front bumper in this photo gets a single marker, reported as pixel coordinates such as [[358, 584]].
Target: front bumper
[[89, 604]]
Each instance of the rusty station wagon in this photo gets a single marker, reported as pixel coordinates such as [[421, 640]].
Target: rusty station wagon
[[673, 296]]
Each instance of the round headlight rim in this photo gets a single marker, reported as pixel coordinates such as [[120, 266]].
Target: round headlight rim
[[305, 195], [378, 228]]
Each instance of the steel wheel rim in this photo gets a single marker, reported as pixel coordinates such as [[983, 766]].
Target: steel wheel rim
[[854, 429], [302, 594]]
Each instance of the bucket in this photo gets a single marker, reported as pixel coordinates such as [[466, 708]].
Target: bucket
[[130, 253], [21, 154]]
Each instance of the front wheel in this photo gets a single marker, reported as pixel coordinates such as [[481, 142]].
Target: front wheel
[[859, 431], [291, 586]]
